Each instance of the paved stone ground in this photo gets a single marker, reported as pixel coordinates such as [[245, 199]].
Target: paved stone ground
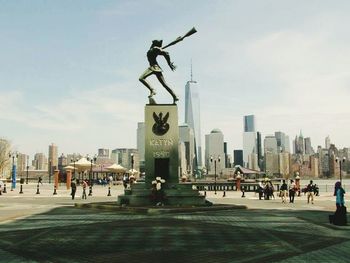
[[268, 231]]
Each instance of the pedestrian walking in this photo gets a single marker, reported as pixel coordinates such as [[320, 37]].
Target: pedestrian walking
[[283, 191], [340, 215], [270, 189], [310, 192], [261, 190], [292, 190], [40, 180], [85, 185], [73, 186], [110, 180], [1, 186]]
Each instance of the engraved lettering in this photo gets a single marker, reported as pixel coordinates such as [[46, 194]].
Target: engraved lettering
[[161, 142]]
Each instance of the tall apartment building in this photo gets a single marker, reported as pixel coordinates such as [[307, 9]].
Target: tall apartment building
[[40, 162], [22, 160], [53, 157]]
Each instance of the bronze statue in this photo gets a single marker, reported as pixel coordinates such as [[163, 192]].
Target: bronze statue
[[155, 50]]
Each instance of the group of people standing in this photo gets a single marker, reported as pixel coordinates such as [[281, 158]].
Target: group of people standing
[[291, 189], [288, 190]]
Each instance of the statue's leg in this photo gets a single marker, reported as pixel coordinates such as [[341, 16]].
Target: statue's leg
[[143, 77], [162, 81]]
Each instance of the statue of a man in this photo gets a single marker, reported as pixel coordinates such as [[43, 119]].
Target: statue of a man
[[152, 54]]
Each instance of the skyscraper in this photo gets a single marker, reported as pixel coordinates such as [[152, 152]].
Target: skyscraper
[[249, 138], [308, 147], [259, 151], [249, 123], [192, 115], [299, 147]]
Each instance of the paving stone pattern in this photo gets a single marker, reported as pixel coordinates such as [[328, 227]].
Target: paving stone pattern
[[69, 234]]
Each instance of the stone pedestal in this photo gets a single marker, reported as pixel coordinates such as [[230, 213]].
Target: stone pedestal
[[161, 144], [162, 160]]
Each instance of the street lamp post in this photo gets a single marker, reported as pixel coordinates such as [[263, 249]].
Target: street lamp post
[[50, 170], [92, 160], [215, 160], [27, 169], [13, 174], [340, 161], [74, 160]]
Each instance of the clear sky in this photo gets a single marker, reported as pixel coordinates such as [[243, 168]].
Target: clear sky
[[69, 69]]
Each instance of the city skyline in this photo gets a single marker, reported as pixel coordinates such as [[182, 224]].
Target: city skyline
[[69, 71]]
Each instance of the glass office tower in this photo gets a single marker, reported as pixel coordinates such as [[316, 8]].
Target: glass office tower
[[192, 117]]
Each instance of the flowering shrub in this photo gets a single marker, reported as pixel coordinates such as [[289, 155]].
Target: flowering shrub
[[158, 196]]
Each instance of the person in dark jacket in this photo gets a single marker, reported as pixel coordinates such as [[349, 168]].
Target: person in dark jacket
[[73, 187]]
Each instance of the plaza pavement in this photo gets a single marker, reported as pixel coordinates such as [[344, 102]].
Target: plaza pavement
[[48, 228]]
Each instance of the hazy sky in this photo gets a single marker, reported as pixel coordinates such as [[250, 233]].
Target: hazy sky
[[69, 69]]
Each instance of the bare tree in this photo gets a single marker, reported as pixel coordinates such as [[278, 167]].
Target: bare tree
[[5, 147]]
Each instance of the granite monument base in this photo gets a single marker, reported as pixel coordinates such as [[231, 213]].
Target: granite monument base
[[177, 195]]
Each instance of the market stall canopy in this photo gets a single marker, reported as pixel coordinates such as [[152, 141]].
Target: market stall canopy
[[70, 167], [83, 164], [116, 168]]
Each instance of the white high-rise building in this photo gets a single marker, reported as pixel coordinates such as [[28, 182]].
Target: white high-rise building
[[214, 148], [192, 116], [249, 146], [187, 158], [141, 142], [284, 164]]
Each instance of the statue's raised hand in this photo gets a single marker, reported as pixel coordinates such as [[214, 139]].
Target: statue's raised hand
[[172, 66]]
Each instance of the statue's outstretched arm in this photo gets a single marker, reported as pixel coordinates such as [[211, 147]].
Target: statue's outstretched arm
[[167, 58]]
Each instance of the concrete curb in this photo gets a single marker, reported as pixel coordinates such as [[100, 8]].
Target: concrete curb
[[157, 210]]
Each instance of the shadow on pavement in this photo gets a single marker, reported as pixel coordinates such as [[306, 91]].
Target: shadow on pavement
[[68, 234]]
